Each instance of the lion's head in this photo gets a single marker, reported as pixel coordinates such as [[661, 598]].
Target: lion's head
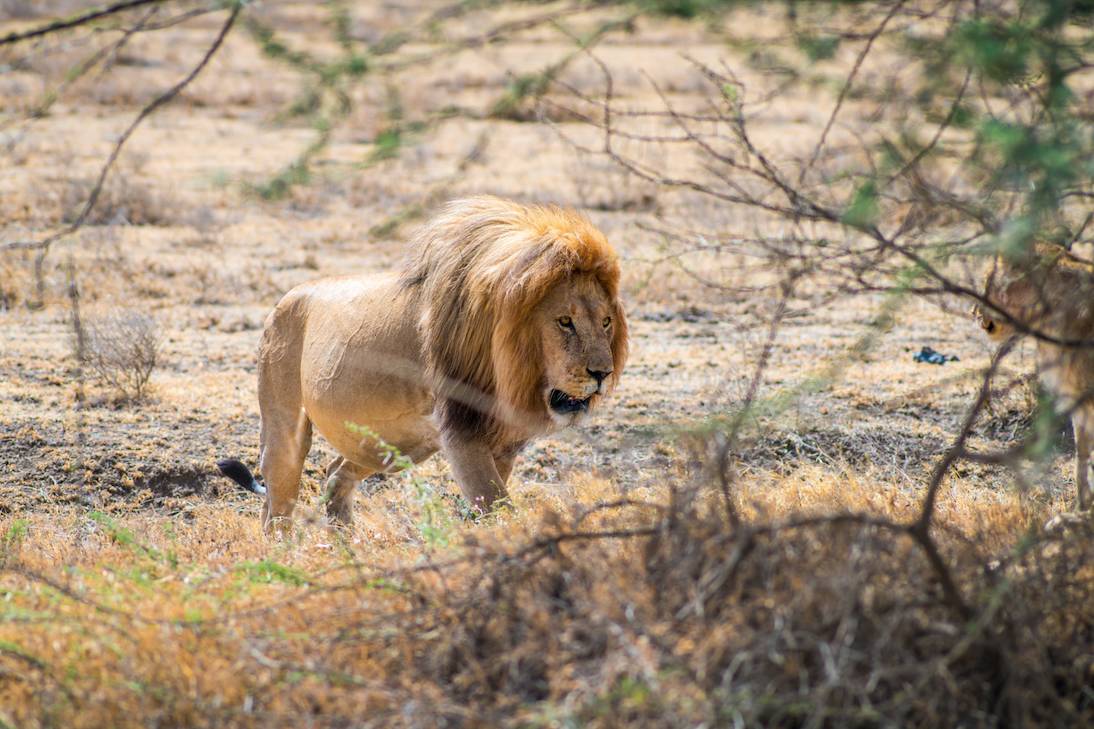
[[522, 324], [1019, 284]]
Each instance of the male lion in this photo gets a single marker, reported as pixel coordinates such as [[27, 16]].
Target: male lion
[[505, 323], [1052, 293]]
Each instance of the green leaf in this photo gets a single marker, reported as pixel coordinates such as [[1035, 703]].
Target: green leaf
[[864, 209], [819, 47], [268, 572], [998, 51], [387, 144]]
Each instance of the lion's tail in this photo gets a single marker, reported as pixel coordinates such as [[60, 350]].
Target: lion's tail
[[242, 475]]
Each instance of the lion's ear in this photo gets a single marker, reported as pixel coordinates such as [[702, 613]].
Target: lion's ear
[[532, 277]]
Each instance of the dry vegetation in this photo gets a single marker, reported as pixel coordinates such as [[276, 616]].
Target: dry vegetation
[[651, 570], [197, 621]]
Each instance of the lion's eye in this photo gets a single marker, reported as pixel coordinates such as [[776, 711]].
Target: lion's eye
[[607, 322], [566, 322]]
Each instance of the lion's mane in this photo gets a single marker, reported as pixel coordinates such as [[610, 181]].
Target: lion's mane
[[480, 268]]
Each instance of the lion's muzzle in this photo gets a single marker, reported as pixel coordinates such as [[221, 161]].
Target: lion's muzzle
[[564, 404]]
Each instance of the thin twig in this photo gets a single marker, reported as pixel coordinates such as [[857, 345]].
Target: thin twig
[[78, 20]]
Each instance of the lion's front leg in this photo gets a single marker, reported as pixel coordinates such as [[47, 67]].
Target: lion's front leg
[[505, 458], [476, 472]]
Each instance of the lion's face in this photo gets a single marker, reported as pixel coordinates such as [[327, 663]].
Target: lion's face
[[576, 324]]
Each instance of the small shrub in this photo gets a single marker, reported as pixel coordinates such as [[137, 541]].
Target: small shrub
[[15, 279], [122, 349], [123, 200], [684, 8], [601, 184]]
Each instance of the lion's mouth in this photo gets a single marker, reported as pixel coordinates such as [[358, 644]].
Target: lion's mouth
[[563, 404]]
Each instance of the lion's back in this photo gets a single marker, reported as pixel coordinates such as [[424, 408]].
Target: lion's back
[[359, 350]]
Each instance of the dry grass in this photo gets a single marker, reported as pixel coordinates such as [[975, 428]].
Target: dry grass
[[128, 196], [544, 616]]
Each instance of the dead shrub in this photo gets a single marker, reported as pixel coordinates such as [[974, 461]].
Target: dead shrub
[[122, 348], [16, 278], [601, 184], [123, 200], [828, 622]]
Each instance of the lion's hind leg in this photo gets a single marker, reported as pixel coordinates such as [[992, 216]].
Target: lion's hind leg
[[342, 479], [285, 437], [285, 445]]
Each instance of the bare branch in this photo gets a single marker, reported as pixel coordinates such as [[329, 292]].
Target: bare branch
[[82, 19]]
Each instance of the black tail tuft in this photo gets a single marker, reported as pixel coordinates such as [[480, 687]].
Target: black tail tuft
[[242, 475]]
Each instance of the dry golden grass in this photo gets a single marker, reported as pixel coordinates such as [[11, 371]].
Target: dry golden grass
[[196, 619]]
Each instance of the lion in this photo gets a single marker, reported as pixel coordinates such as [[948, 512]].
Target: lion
[[1051, 293], [504, 324]]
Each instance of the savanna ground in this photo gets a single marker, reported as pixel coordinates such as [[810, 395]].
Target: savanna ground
[[136, 586]]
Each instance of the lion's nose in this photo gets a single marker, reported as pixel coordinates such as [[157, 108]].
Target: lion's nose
[[599, 375]]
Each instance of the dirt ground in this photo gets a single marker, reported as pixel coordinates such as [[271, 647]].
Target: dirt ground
[[183, 235]]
